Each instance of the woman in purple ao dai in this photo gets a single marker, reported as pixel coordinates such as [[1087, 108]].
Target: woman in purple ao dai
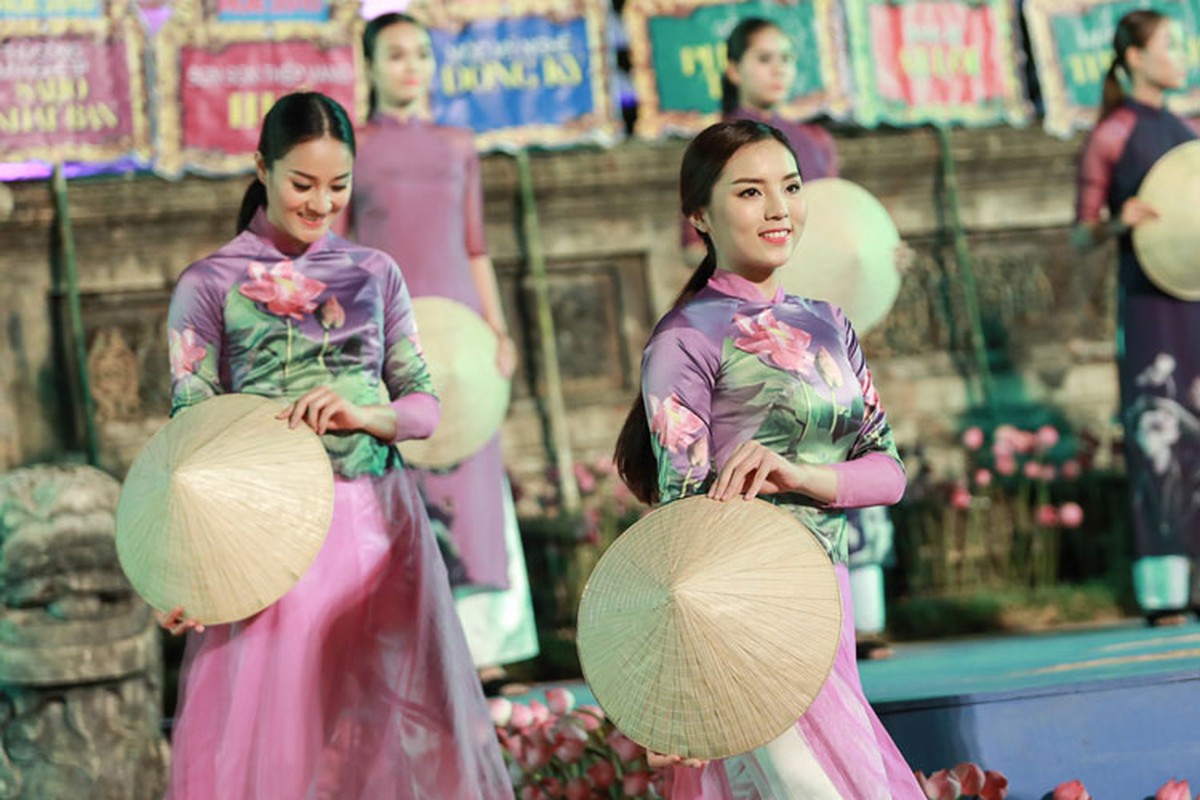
[[748, 391], [356, 684]]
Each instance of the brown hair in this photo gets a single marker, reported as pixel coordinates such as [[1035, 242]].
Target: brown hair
[[703, 162], [1133, 30]]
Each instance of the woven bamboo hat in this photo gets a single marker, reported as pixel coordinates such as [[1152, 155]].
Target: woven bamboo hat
[[224, 509], [1168, 247], [460, 349], [847, 252], [707, 628]]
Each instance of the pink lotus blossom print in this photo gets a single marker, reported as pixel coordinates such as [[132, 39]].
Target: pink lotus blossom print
[[676, 426], [283, 290], [776, 343], [185, 352]]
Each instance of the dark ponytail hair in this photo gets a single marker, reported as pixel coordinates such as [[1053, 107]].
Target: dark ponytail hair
[[703, 162], [1133, 30], [294, 119], [371, 39], [735, 48]]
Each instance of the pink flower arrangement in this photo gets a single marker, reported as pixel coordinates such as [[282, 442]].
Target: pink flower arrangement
[[1071, 790], [965, 780], [554, 749]]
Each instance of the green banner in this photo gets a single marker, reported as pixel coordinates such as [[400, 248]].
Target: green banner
[[678, 59]]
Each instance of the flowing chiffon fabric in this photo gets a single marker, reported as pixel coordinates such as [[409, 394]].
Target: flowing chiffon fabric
[[356, 684], [838, 749]]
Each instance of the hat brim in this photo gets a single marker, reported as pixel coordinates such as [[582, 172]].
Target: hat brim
[[224, 509], [708, 628]]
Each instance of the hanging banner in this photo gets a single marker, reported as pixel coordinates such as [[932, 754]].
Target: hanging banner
[[216, 80], [677, 56], [943, 62], [1072, 43], [271, 10], [71, 82], [521, 72]]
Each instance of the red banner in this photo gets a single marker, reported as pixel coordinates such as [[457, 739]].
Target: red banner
[[71, 98], [216, 80], [939, 61], [224, 94]]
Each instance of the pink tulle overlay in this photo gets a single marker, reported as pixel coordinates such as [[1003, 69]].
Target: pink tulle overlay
[[841, 748], [356, 685]]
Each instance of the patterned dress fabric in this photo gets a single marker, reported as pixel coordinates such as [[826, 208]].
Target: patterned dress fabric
[[357, 684]]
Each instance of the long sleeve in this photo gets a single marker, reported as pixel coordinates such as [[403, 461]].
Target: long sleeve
[[873, 474], [1098, 160], [195, 329], [473, 205], [405, 373], [677, 388]]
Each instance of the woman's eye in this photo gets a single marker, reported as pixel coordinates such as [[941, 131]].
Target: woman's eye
[[300, 187], [748, 192], [340, 188], [793, 188]]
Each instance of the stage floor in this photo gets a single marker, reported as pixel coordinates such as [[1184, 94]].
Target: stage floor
[[1116, 707]]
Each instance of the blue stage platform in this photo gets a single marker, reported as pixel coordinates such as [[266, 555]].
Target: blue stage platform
[[1117, 708]]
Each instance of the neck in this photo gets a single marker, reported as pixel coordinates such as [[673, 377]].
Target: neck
[[282, 241], [413, 109], [1147, 94], [765, 111], [765, 279]]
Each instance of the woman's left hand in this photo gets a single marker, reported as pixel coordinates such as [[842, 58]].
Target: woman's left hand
[[755, 469], [903, 257], [325, 411], [506, 355]]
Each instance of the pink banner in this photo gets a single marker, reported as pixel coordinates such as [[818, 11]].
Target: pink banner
[[225, 93], [68, 97]]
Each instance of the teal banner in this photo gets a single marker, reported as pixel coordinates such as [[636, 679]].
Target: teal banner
[[678, 59], [1072, 49]]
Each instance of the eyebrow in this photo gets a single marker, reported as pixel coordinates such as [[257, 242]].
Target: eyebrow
[[787, 177], [314, 177]]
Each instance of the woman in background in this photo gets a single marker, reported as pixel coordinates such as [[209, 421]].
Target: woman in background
[[1158, 336], [418, 197]]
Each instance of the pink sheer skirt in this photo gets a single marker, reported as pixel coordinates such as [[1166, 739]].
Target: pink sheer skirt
[[356, 685], [838, 749]]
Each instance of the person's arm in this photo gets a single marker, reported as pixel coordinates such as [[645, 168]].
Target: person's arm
[[1096, 164], [483, 271], [677, 386], [872, 474], [413, 401], [195, 331]]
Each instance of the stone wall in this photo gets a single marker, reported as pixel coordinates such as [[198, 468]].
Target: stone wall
[[609, 224]]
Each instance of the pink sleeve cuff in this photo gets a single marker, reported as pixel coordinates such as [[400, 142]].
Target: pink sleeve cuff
[[417, 416], [875, 479]]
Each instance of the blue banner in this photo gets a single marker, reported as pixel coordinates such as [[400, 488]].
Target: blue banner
[[51, 9], [509, 73]]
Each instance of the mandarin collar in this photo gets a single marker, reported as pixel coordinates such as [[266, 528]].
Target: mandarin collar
[[268, 235], [734, 285]]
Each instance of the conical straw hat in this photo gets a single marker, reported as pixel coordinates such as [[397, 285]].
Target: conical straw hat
[[847, 252], [1168, 247], [460, 349], [707, 628], [224, 509]]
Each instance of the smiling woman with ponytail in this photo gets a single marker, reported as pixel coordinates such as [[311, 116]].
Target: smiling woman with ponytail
[[1158, 336], [747, 392]]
